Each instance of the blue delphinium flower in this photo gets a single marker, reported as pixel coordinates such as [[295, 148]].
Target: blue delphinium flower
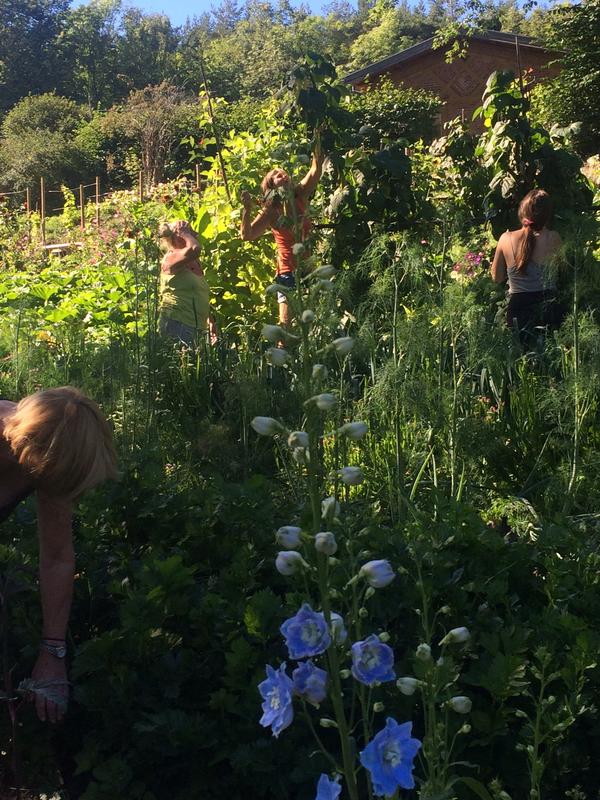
[[276, 692], [310, 682], [306, 633], [372, 661], [389, 758], [327, 789]]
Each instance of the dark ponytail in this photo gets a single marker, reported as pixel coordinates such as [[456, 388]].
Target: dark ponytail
[[535, 211]]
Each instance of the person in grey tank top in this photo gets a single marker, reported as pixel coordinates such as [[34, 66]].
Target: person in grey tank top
[[527, 259]]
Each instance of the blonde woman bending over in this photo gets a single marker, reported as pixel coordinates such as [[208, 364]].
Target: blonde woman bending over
[[56, 444]]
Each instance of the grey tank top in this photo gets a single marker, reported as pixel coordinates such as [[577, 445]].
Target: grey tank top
[[534, 278]]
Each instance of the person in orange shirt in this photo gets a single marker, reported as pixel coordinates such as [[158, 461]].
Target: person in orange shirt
[[289, 222]]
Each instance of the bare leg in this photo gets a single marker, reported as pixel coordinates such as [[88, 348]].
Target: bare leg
[[284, 314]]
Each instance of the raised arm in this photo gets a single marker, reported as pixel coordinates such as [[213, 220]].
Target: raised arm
[[249, 231], [498, 268], [309, 182], [57, 568], [177, 257]]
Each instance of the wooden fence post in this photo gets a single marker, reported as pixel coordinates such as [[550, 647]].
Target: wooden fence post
[[141, 185], [28, 203], [97, 201], [43, 210], [81, 207]]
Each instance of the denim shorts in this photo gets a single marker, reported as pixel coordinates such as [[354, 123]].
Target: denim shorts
[[178, 331], [287, 279]]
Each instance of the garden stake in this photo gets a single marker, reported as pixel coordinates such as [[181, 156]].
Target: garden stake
[[215, 129]]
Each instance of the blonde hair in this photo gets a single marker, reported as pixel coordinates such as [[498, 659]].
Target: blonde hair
[[60, 437]]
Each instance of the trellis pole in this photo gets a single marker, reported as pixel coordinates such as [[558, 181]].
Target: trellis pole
[[97, 201], [81, 207], [43, 210]]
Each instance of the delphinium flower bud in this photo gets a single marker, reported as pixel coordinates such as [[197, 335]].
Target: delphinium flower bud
[[339, 634], [288, 562], [423, 652], [408, 685], [326, 271], [277, 356], [378, 707], [456, 636], [325, 401], [384, 635], [325, 543], [308, 316], [319, 372], [354, 430], [460, 704], [289, 536], [325, 722], [351, 476], [330, 509], [266, 426], [377, 573], [343, 345], [297, 439], [273, 333]]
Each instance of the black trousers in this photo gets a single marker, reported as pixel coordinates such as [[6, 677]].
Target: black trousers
[[528, 310]]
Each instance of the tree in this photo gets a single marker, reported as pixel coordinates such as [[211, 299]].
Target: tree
[[29, 57], [89, 43], [39, 139], [154, 120], [146, 49], [575, 95], [390, 28]]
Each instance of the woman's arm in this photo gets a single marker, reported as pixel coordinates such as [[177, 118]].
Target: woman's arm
[[57, 568], [249, 231], [309, 182], [498, 268]]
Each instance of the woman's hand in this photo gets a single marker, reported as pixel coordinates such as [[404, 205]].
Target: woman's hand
[[246, 199], [53, 671]]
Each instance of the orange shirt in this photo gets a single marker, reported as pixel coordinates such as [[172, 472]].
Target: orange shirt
[[285, 240]]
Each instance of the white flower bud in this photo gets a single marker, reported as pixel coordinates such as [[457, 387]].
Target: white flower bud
[[325, 286], [384, 635], [319, 372], [273, 333], [325, 401], [343, 345], [330, 508], [363, 613], [423, 652], [297, 439], [456, 636], [325, 543], [325, 722], [378, 707], [460, 704], [277, 356], [266, 426], [345, 673], [407, 685], [301, 455], [354, 430], [377, 573], [466, 728], [308, 316], [339, 634], [288, 562], [351, 476], [326, 271], [445, 610], [288, 536], [440, 662]]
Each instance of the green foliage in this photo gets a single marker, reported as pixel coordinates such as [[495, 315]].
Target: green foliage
[[38, 138], [396, 112]]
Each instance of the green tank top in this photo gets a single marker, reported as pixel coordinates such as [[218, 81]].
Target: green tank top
[[184, 297]]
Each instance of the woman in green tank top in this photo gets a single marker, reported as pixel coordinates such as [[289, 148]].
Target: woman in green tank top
[[183, 290]]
